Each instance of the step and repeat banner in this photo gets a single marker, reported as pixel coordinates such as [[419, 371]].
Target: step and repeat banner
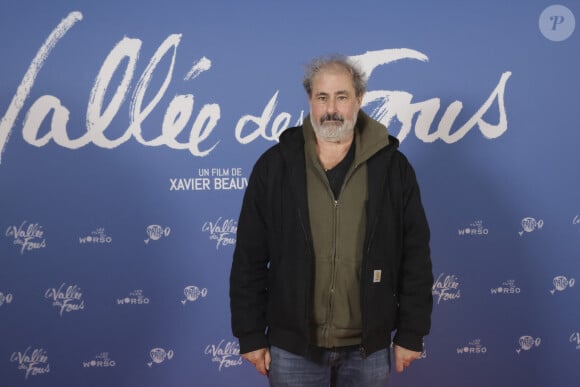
[[129, 130]]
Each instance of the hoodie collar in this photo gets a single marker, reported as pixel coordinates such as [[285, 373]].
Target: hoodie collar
[[370, 136]]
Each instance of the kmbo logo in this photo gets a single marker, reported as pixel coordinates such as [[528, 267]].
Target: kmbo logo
[[156, 232], [530, 225], [527, 343], [159, 356], [562, 283], [193, 293], [5, 298]]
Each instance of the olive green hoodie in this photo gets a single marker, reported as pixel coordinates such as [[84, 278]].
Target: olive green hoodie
[[338, 229]]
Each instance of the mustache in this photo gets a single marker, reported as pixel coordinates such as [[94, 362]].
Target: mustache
[[331, 117]]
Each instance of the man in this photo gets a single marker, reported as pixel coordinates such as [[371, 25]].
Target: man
[[332, 251]]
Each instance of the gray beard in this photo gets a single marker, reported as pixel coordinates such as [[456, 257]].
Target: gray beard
[[333, 132]]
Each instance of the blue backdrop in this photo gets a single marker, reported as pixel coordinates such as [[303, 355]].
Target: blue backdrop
[[129, 129]]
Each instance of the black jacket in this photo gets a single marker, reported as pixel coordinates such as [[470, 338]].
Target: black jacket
[[272, 270]]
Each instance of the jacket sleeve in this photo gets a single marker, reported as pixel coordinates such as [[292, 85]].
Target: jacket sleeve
[[415, 276], [249, 272]]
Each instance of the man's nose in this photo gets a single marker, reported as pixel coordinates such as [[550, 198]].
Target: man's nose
[[331, 106]]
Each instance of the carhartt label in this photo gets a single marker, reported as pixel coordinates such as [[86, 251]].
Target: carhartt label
[[377, 275]]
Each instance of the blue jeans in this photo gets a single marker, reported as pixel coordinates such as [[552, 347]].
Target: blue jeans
[[340, 367]]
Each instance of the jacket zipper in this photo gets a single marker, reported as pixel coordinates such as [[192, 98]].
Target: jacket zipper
[[333, 269]]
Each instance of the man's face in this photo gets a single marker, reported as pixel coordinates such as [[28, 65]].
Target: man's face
[[333, 104]]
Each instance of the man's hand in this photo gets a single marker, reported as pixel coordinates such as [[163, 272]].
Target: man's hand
[[404, 357], [260, 358]]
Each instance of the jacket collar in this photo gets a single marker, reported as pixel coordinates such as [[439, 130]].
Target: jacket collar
[[370, 136]]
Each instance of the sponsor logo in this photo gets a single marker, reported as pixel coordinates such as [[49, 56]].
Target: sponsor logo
[[33, 362], [66, 298], [101, 360], [193, 293], [575, 339], [562, 283], [5, 298], [530, 225], [473, 347], [474, 229], [159, 355], [99, 236], [225, 354], [527, 343], [135, 297], [222, 231], [156, 232], [211, 179], [446, 288], [29, 236], [506, 287]]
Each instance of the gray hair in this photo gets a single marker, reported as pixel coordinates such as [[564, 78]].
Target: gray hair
[[318, 64]]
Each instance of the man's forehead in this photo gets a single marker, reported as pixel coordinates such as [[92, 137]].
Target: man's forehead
[[332, 80]]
